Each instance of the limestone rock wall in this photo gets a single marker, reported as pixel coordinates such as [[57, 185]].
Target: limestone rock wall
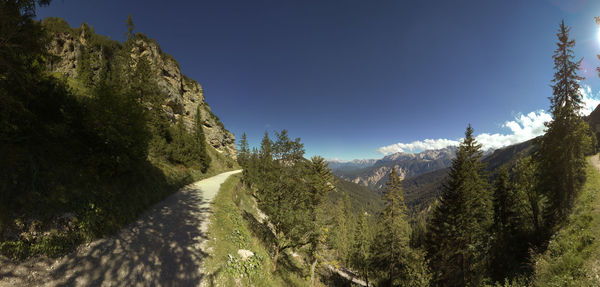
[[182, 95]]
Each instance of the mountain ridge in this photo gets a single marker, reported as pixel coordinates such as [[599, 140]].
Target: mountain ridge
[[182, 95], [407, 165]]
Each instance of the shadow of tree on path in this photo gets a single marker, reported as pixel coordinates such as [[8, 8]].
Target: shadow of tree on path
[[162, 247]]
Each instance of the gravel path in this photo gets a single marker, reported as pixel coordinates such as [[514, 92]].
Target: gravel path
[[595, 160], [161, 248]]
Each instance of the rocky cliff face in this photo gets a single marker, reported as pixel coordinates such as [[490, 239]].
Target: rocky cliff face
[[182, 95]]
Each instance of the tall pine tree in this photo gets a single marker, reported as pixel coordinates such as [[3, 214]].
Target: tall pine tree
[[396, 262], [321, 182], [457, 239], [561, 150], [509, 247], [361, 251], [243, 154]]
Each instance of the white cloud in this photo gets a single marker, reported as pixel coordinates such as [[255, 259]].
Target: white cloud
[[418, 146], [590, 101], [522, 128]]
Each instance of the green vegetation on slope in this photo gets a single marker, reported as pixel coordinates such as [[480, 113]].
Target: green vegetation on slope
[[234, 225], [83, 156], [573, 255], [361, 197]]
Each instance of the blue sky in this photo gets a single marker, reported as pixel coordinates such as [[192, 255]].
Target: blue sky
[[354, 79]]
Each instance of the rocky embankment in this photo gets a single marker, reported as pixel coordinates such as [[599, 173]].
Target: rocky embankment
[[182, 94]]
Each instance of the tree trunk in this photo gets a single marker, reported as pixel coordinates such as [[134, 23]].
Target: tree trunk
[[275, 258], [312, 272]]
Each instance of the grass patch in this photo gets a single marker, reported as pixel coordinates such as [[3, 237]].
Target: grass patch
[[573, 254], [234, 226]]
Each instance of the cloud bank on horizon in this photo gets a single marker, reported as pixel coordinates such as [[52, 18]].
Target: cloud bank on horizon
[[522, 128]]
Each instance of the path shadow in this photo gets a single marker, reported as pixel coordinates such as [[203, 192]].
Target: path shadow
[[161, 248]]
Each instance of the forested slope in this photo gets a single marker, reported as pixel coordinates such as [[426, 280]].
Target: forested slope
[[89, 135]]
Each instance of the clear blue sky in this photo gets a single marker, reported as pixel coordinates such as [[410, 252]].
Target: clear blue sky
[[349, 77]]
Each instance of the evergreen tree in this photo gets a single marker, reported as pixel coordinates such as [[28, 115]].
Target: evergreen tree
[[202, 154], [143, 86], [393, 258], [130, 27], [504, 205], [180, 149], [457, 240], [265, 157], [321, 182], [525, 182], [243, 154], [361, 251], [510, 245], [23, 42], [342, 237], [561, 149], [283, 193]]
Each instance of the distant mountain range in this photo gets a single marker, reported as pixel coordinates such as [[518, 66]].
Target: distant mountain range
[[422, 189], [350, 165], [374, 173], [423, 173]]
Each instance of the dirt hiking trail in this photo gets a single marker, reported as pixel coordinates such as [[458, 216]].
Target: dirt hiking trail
[[161, 248]]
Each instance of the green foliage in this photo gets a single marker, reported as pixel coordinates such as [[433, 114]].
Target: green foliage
[[526, 184], [90, 151], [361, 250], [243, 155], [117, 123], [396, 263], [458, 233], [572, 255], [15, 249], [23, 42], [200, 141], [58, 25], [282, 193], [235, 216], [186, 148], [509, 245], [561, 150], [292, 192], [361, 197], [238, 238], [237, 267], [341, 237], [52, 245], [321, 183], [130, 27]]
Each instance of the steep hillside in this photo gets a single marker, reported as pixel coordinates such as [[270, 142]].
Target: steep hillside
[[408, 165], [573, 254], [71, 46], [360, 196], [94, 133]]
